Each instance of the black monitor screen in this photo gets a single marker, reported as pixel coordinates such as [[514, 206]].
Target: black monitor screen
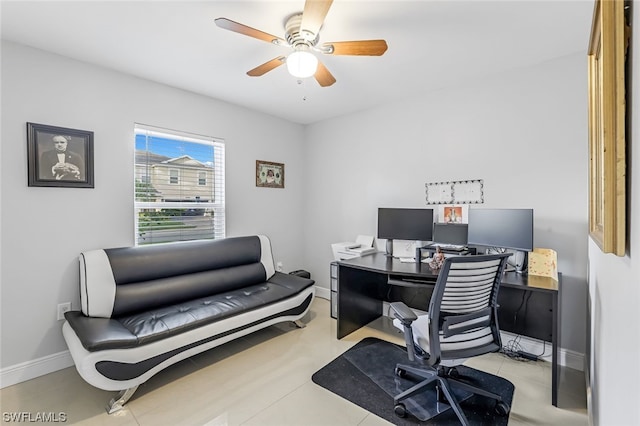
[[503, 228], [405, 224], [450, 233]]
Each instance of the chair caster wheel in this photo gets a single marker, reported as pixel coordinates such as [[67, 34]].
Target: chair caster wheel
[[400, 372], [400, 410], [502, 409]]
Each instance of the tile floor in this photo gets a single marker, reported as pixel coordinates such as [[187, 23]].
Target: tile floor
[[265, 379]]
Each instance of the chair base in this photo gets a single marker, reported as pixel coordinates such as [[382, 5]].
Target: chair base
[[450, 392]]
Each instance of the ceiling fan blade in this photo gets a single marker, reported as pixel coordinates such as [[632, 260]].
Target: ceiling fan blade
[[323, 76], [361, 47], [230, 25], [267, 66], [313, 15]]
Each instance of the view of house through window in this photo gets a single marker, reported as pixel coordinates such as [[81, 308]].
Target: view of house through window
[[179, 186]]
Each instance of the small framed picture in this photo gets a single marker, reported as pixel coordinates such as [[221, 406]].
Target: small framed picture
[[269, 174], [453, 214], [59, 157]]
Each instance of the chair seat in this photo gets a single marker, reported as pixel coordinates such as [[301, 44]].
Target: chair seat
[[447, 344]]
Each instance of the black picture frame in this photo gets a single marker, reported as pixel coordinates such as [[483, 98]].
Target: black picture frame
[[45, 167]]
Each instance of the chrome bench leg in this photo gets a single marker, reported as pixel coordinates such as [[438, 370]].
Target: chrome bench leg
[[123, 396], [299, 324]]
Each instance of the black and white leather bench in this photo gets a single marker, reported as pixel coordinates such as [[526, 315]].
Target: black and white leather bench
[[146, 308]]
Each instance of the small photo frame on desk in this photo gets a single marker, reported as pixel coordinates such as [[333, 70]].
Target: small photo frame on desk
[[453, 214]]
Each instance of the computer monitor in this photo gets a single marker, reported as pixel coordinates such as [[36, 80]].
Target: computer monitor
[[404, 224], [450, 233], [501, 228]]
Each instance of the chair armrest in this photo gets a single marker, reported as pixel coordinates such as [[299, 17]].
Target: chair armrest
[[403, 312], [406, 316]]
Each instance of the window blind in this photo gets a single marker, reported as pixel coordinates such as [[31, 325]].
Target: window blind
[[179, 186]]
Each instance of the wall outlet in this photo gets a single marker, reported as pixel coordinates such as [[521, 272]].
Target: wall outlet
[[62, 308], [279, 267]]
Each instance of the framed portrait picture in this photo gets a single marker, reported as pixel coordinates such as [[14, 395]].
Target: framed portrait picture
[[59, 157], [269, 174]]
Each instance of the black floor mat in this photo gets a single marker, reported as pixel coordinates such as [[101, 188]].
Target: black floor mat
[[365, 376]]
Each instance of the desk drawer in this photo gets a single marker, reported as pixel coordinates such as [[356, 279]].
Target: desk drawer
[[334, 304], [333, 279]]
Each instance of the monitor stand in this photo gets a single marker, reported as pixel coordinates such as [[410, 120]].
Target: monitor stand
[[521, 268], [389, 247]]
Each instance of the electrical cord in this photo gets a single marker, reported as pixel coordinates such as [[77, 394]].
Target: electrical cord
[[544, 349], [515, 314], [526, 306], [514, 350]]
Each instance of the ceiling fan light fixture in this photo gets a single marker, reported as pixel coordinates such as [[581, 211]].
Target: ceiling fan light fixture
[[302, 64]]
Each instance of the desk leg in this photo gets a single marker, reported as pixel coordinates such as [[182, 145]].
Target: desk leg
[[358, 300], [555, 362]]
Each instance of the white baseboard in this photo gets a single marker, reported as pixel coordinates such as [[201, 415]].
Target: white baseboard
[[31, 369], [323, 293]]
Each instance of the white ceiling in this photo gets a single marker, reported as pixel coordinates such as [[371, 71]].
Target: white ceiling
[[432, 44]]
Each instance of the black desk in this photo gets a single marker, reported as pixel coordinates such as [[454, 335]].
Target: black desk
[[529, 305]]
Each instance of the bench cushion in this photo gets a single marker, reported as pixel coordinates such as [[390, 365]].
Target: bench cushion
[[137, 329], [123, 281]]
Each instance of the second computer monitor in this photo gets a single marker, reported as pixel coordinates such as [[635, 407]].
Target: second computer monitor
[[501, 228], [450, 233], [405, 224]]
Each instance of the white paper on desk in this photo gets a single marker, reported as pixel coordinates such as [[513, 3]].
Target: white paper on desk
[[365, 240], [362, 250], [349, 245]]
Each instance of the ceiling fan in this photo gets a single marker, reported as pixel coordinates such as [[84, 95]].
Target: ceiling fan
[[302, 33]]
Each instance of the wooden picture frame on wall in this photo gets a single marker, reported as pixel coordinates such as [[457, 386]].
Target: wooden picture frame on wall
[[607, 159], [269, 174]]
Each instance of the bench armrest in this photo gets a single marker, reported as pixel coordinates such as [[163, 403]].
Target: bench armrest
[[100, 333]]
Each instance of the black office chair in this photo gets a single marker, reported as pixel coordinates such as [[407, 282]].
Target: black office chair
[[462, 322]]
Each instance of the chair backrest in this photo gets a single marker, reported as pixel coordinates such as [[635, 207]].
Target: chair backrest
[[463, 315]]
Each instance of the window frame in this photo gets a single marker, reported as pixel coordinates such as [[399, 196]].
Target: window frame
[[177, 177], [215, 173]]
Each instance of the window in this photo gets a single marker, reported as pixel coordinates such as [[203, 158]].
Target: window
[[179, 186], [174, 176]]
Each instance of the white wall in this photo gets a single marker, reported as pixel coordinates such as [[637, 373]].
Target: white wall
[[524, 133], [44, 229], [614, 292]]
